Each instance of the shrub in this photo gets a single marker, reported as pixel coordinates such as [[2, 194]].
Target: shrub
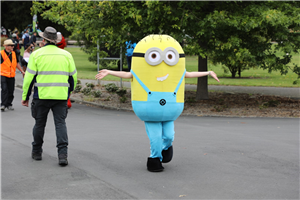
[[77, 88], [109, 64], [220, 108], [97, 93], [90, 85], [271, 103], [123, 99], [190, 100], [121, 92], [78, 81], [86, 91], [111, 87]]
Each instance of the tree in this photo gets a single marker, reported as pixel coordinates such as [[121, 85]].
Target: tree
[[237, 34], [17, 14]]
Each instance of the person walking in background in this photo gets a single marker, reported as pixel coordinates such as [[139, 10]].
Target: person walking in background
[[33, 39], [17, 45], [17, 33], [61, 43], [3, 32], [9, 63], [25, 38], [29, 48], [53, 73], [129, 51]]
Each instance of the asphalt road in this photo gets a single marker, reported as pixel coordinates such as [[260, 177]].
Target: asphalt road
[[214, 158]]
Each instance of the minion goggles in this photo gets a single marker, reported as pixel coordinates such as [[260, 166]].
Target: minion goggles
[[155, 56]]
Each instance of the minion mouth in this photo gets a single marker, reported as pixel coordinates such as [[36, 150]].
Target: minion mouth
[[162, 78]]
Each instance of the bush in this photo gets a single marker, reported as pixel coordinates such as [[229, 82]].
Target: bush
[[111, 87], [77, 88], [78, 81], [271, 103], [190, 100], [90, 85], [109, 64], [121, 92], [86, 91], [97, 93], [123, 99]]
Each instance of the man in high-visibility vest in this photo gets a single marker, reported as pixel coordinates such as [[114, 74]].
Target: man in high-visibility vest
[[9, 63], [53, 74]]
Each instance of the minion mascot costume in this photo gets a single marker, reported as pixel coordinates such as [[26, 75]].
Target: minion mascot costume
[[157, 89]]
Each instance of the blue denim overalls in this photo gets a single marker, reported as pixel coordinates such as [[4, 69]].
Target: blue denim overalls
[[158, 112]]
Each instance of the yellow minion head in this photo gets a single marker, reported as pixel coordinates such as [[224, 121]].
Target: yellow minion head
[[159, 62]]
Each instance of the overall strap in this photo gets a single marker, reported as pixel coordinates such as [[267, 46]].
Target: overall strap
[[140, 82], [178, 85]]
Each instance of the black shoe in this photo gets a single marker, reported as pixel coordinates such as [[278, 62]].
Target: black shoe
[[154, 165], [36, 155], [62, 159], [167, 155], [2, 108]]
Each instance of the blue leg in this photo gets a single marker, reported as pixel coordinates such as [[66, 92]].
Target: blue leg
[[154, 132], [168, 138], [167, 134]]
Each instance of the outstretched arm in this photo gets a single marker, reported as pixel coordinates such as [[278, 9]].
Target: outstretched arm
[[200, 74], [105, 72]]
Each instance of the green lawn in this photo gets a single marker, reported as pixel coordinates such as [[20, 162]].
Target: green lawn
[[252, 77]]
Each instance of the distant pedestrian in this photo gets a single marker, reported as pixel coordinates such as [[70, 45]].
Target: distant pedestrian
[[18, 36], [25, 38], [3, 32], [33, 39], [9, 63], [62, 42], [53, 73], [17, 44], [29, 48]]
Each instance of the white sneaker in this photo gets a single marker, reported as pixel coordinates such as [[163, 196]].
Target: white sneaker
[[2, 108], [10, 108]]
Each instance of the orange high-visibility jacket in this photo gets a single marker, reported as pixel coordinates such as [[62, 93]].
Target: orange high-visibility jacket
[[8, 68]]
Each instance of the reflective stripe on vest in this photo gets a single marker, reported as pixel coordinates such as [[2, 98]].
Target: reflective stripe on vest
[[51, 72], [52, 84], [8, 68]]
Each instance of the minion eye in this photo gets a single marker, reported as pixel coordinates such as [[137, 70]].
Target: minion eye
[[153, 56], [171, 56]]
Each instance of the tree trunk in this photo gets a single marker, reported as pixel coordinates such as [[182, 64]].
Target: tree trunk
[[233, 72], [239, 72], [202, 88]]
